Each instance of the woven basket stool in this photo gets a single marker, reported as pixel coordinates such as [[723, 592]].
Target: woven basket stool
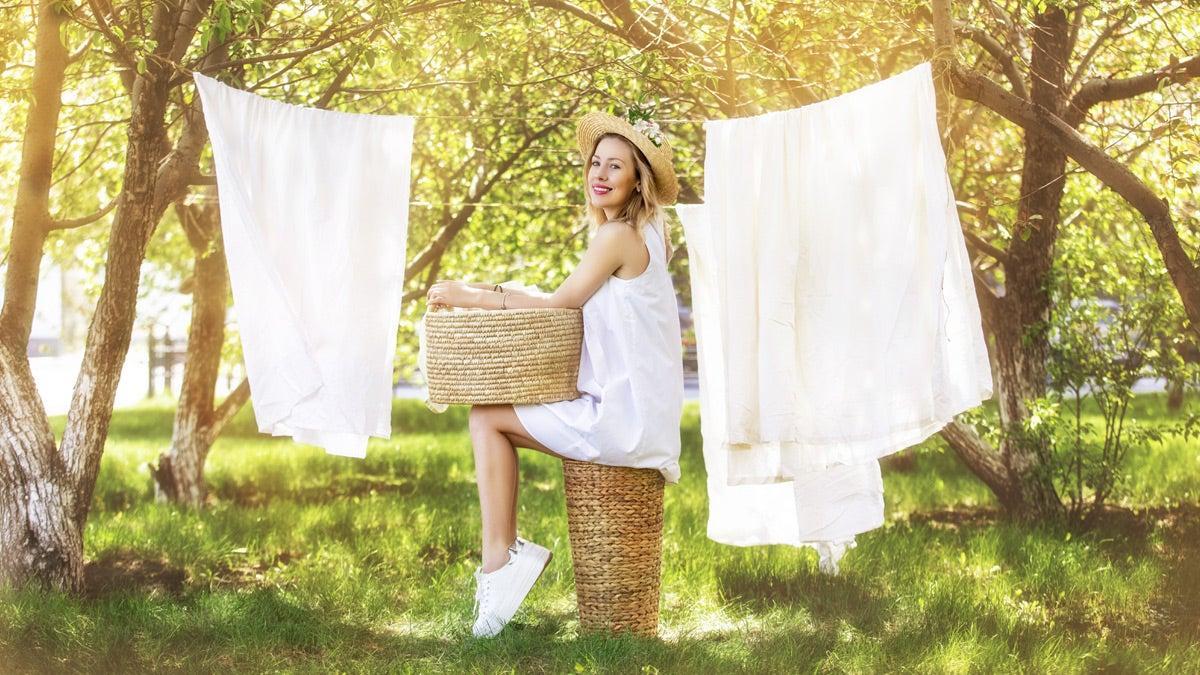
[[615, 522], [478, 356]]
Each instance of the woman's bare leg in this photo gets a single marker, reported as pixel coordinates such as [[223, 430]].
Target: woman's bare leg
[[496, 433]]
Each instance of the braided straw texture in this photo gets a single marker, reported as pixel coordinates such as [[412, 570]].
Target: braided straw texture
[[478, 356], [615, 522]]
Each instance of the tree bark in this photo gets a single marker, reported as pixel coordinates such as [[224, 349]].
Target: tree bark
[[31, 213], [45, 491], [1021, 341], [1014, 471], [138, 214], [111, 328], [39, 540], [1048, 119], [179, 475], [1052, 122]]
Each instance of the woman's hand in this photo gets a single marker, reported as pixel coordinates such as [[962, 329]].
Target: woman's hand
[[454, 294]]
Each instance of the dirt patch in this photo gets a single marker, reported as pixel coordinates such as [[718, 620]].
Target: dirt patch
[[118, 571], [952, 518], [230, 573], [904, 461]]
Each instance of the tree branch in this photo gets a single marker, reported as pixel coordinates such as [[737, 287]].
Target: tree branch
[[120, 49], [1098, 90], [1005, 60], [226, 411], [1113, 174], [72, 223], [438, 246], [980, 244], [581, 13]]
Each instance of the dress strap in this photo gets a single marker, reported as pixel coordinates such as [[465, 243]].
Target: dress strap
[[653, 227]]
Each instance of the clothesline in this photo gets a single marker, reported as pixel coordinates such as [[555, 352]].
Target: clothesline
[[1188, 102], [514, 204], [523, 205], [540, 119]]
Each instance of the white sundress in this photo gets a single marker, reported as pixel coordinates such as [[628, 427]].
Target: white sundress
[[630, 376]]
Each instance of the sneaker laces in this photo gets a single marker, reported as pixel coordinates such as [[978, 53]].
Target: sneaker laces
[[482, 583]]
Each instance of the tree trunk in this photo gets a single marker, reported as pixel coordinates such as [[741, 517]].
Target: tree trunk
[[44, 493], [1175, 395], [1014, 471], [1021, 341], [39, 539], [111, 328], [179, 476]]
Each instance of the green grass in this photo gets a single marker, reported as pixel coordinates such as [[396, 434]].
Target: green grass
[[308, 562]]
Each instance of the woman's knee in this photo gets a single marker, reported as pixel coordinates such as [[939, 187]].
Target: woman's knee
[[476, 419], [482, 420]]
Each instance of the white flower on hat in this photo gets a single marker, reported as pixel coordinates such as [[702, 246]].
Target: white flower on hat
[[641, 119], [649, 128]]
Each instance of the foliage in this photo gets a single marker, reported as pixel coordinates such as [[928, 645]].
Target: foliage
[[1115, 321]]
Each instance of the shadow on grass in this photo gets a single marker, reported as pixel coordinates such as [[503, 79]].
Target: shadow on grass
[[322, 479], [128, 571], [1179, 599], [123, 571], [1122, 540], [195, 632], [828, 598]]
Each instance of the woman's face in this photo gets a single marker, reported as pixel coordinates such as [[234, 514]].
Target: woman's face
[[611, 177]]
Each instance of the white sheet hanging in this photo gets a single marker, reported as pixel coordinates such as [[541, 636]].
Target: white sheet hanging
[[848, 310], [836, 319], [314, 216], [822, 508]]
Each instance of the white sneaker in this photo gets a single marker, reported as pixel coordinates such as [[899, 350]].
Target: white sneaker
[[499, 593]]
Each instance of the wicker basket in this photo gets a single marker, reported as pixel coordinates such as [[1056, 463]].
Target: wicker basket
[[615, 521], [479, 356]]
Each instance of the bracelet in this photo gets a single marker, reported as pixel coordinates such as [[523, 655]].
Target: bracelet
[[497, 288]]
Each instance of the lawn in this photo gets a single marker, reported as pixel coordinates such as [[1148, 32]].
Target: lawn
[[309, 562]]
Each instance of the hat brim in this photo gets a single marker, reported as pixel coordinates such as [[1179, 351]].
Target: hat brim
[[593, 125]]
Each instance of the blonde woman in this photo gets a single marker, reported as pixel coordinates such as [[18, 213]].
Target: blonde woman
[[631, 370]]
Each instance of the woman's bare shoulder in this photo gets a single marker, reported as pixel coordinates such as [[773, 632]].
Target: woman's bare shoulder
[[618, 233], [623, 224]]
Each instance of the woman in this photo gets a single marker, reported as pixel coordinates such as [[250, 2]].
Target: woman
[[631, 370]]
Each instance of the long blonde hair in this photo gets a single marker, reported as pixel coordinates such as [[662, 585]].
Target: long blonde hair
[[641, 208]]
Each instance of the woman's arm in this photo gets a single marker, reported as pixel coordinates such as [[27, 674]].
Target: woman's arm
[[484, 286], [602, 258]]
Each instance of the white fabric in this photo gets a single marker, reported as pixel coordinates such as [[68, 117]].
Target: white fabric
[[314, 215], [630, 376], [836, 320], [420, 329], [822, 509], [848, 312]]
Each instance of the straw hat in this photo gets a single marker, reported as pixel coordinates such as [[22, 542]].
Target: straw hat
[[644, 133]]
